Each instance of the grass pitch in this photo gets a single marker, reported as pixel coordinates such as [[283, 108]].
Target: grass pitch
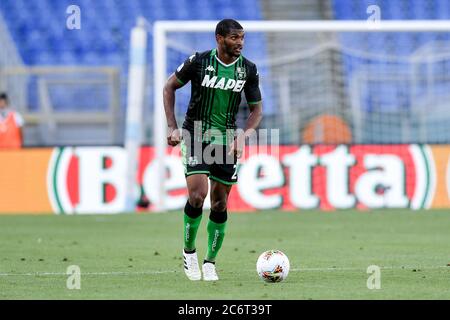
[[139, 256]]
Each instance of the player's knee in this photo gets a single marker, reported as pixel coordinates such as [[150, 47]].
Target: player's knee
[[197, 198], [218, 216], [219, 205]]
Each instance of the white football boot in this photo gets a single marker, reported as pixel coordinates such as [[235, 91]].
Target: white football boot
[[191, 267], [209, 272]]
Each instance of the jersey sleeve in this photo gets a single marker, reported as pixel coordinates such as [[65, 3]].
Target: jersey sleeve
[[185, 71], [251, 88]]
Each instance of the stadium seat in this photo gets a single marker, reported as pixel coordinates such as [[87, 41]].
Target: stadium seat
[[105, 29], [383, 97]]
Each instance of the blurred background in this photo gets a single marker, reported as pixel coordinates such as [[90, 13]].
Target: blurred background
[[71, 85]]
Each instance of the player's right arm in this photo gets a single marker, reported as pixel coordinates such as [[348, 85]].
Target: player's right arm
[[177, 80], [173, 134]]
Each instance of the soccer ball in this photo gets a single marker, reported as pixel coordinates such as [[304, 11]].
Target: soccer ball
[[273, 266]]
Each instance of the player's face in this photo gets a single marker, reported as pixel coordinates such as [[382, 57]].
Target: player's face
[[233, 43], [3, 103]]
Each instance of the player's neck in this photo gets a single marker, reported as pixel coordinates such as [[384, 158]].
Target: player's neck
[[226, 58]]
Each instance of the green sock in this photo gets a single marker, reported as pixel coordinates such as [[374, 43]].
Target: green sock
[[190, 231], [216, 233]]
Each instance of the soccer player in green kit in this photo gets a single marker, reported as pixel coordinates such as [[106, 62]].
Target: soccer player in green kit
[[209, 143]]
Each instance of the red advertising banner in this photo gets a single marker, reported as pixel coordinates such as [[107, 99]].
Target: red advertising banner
[[91, 180]]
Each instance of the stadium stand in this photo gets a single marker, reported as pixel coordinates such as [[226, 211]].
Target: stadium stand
[[400, 100], [104, 36], [103, 40], [396, 88]]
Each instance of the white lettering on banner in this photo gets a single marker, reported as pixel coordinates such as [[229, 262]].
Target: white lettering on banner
[[252, 184], [301, 164], [338, 164], [380, 180], [207, 202], [174, 181], [93, 176], [383, 185]]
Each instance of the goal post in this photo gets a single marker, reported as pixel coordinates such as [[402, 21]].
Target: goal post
[[163, 29], [135, 105]]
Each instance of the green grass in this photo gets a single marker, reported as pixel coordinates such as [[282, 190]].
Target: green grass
[[120, 256]]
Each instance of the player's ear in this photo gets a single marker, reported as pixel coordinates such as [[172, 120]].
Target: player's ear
[[219, 38]]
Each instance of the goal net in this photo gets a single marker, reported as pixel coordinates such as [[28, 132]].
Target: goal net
[[347, 82], [383, 84]]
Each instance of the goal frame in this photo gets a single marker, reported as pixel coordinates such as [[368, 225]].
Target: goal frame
[[162, 28]]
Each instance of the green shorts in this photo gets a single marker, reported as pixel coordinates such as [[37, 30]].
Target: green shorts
[[210, 159]]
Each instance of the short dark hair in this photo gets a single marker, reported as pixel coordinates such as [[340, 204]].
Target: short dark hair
[[225, 26], [3, 96]]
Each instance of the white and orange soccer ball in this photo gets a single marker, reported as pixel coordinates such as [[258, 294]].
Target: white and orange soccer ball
[[273, 266]]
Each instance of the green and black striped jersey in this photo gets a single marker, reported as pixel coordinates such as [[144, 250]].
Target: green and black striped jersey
[[216, 90]]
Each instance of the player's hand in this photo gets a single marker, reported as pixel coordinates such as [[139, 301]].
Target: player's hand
[[173, 136], [237, 146]]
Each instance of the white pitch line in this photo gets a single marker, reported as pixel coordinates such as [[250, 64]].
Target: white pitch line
[[119, 273], [122, 273], [381, 268]]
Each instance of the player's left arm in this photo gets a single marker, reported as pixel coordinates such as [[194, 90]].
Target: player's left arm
[[182, 75], [252, 124], [254, 101], [254, 118]]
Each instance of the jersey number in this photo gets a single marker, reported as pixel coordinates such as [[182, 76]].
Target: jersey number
[[234, 176]]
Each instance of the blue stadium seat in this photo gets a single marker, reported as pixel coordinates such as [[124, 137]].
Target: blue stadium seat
[[403, 44], [105, 29]]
